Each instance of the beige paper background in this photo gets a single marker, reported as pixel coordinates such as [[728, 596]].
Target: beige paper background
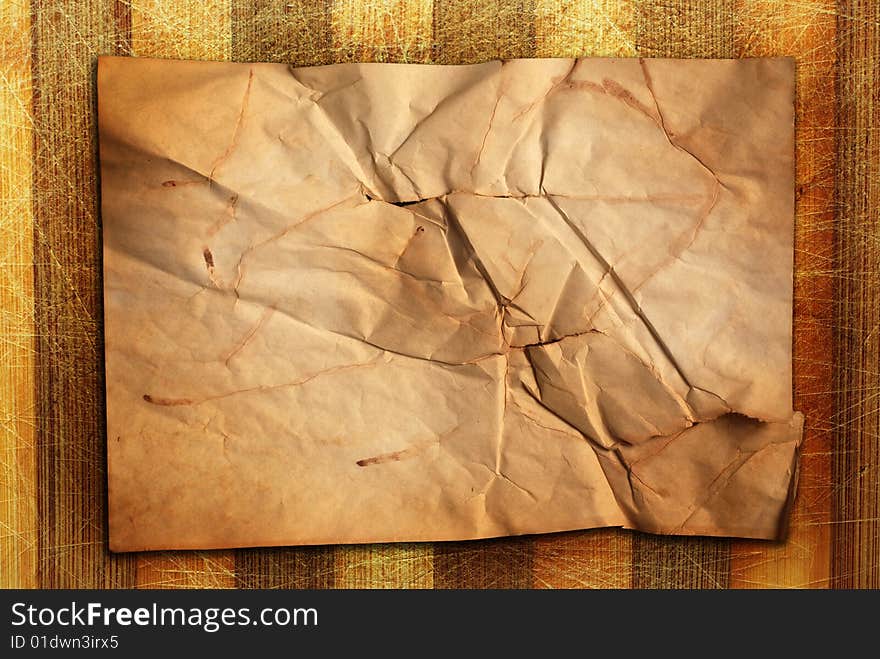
[[372, 302]]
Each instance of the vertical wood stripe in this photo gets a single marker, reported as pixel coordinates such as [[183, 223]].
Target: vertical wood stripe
[[573, 28], [52, 524], [856, 548], [682, 29], [598, 558], [382, 31], [465, 32], [190, 29], [807, 28], [384, 566], [186, 569], [496, 563], [292, 567], [292, 31], [18, 518], [70, 479], [295, 33], [184, 29]]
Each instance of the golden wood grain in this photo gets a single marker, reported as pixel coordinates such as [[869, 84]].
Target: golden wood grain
[[467, 31], [578, 28], [287, 31], [184, 29], [186, 569], [53, 480], [294, 567], [682, 29], [598, 558], [495, 563], [384, 566], [382, 30], [856, 420], [70, 485], [18, 467], [297, 33], [194, 29], [807, 28]]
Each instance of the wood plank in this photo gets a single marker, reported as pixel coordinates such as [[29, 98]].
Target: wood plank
[[598, 558], [568, 28], [401, 32], [676, 562], [683, 29], [389, 31], [806, 30], [18, 467], [466, 32], [185, 29], [192, 29], [296, 567], [186, 569], [297, 33], [496, 563], [69, 388], [857, 340], [384, 566]]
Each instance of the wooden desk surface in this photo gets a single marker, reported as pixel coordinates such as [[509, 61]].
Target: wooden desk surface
[[52, 486]]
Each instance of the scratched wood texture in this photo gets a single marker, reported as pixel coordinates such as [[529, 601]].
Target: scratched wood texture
[[52, 465]]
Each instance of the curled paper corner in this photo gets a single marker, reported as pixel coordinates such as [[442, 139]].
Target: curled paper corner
[[372, 302]]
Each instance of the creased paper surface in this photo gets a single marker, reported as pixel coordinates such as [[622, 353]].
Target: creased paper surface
[[381, 302]]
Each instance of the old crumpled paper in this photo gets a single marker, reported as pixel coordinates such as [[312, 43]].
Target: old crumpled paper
[[380, 302]]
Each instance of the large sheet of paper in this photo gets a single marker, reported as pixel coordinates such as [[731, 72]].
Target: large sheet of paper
[[384, 302]]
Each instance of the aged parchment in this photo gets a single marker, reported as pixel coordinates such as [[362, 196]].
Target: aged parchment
[[376, 302]]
